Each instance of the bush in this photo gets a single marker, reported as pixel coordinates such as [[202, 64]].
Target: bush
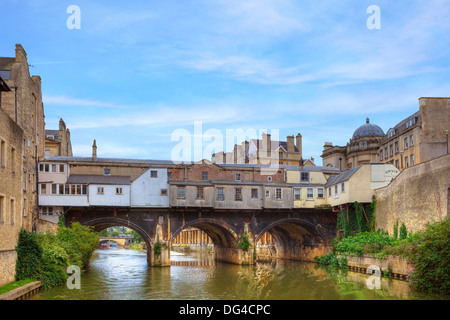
[[330, 259], [29, 256], [55, 261], [244, 242], [365, 243], [429, 253], [79, 242], [47, 256]]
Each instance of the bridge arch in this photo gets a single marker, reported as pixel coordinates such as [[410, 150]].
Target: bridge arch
[[224, 237], [295, 239], [100, 224]]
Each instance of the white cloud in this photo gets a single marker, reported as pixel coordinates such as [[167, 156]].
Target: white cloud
[[69, 101]]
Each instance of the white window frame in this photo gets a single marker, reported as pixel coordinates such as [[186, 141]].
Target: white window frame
[[220, 194], [181, 195], [297, 194], [308, 194], [318, 193]]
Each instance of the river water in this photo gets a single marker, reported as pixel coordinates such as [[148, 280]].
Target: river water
[[122, 274]]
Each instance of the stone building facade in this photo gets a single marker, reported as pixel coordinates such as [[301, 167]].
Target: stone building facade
[[11, 194], [23, 104], [22, 136], [57, 142], [266, 151], [362, 148], [420, 137]]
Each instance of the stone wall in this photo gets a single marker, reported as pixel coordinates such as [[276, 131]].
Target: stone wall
[[11, 199], [418, 195], [24, 106]]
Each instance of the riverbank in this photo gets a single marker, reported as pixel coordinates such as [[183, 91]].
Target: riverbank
[[20, 290]]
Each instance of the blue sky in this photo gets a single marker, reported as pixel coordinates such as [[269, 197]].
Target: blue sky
[[137, 71]]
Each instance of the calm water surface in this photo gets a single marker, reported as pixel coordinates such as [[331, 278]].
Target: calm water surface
[[121, 274]]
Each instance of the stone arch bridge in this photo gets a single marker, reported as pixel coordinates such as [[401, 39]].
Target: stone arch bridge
[[119, 240], [299, 234]]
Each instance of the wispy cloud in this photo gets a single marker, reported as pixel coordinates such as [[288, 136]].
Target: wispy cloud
[[69, 101]]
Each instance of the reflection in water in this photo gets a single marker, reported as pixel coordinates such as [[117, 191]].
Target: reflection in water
[[121, 274]]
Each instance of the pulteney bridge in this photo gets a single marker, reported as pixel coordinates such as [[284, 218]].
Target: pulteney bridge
[[299, 233]]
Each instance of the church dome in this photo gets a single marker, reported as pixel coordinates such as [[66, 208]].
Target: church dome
[[368, 130]]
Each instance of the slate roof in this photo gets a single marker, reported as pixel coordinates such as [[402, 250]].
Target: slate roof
[[98, 179], [344, 176], [111, 160]]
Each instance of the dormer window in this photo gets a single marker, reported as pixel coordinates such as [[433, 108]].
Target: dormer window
[[107, 172]]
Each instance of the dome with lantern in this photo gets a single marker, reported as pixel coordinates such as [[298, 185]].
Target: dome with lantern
[[368, 130]]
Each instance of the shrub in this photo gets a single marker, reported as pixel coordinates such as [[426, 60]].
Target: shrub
[[430, 255], [29, 256], [403, 232], [329, 259], [47, 256], [244, 242], [54, 262], [157, 248], [79, 242], [365, 243]]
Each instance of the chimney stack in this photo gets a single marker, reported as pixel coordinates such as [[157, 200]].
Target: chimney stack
[[298, 143], [94, 150], [290, 144]]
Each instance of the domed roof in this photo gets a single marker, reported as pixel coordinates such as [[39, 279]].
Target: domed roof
[[368, 130]]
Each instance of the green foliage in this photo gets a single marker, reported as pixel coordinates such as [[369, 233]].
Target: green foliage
[[14, 285], [157, 248], [356, 221], [365, 243], [403, 232], [396, 230], [329, 259], [54, 261], [244, 242], [332, 260], [29, 256], [47, 256], [79, 242], [429, 253]]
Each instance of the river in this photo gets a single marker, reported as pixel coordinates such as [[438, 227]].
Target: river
[[122, 274]]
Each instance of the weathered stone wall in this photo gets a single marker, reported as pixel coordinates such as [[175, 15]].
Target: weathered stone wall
[[10, 195], [417, 196], [24, 105], [435, 113]]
